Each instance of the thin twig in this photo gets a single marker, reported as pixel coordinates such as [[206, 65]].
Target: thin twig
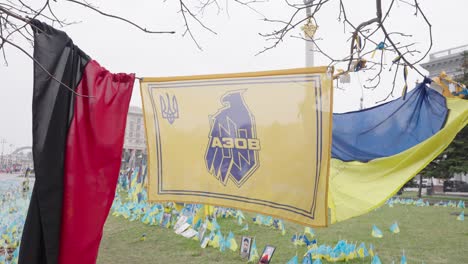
[[44, 69], [120, 18]]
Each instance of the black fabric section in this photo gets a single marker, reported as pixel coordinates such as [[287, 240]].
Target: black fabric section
[[34, 234], [52, 113]]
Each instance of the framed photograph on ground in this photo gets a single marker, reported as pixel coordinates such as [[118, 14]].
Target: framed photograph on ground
[[182, 219], [245, 245], [267, 254], [205, 242], [201, 232], [182, 228], [166, 219], [189, 233]]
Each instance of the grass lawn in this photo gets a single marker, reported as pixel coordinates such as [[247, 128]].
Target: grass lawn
[[428, 234]]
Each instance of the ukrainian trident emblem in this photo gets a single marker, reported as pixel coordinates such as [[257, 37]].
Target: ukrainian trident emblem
[[169, 108]]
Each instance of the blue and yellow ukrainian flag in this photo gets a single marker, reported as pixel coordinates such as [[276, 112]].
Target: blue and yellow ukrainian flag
[[377, 150]]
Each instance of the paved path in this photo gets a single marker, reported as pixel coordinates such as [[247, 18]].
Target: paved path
[[8, 177]]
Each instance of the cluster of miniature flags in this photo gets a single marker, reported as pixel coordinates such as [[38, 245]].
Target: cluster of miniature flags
[[376, 232], [198, 222], [269, 221], [202, 217], [342, 251], [14, 203], [201, 224], [420, 203], [13, 208]]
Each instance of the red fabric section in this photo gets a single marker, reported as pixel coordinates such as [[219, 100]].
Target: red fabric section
[[92, 161]]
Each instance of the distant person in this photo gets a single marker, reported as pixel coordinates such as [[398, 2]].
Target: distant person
[[25, 186], [25, 183]]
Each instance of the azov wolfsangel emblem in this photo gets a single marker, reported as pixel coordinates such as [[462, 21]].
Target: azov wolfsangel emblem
[[233, 146]]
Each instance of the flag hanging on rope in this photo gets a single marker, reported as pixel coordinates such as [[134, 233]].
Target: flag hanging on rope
[[77, 147], [254, 141], [377, 150]]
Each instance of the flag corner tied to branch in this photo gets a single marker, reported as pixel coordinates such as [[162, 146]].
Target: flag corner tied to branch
[[246, 141], [77, 148]]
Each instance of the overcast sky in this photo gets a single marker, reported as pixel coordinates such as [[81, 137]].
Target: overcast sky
[[121, 48]]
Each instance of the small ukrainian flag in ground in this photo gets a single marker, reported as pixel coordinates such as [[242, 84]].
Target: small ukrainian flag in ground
[[376, 232], [197, 224], [239, 220], [307, 259], [298, 240], [394, 228], [317, 261], [282, 227], [214, 240], [362, 250], [371, 250], [258, 219], [143, 237], [216, 226], [309, 231], [245, 228], [403, 259], [461, 217], [231, 242], [312, 244], [294, 260], [15, 256], [209, 225], [240, 214], [376, 260], [254, 252], [222, 244], [461, 204]]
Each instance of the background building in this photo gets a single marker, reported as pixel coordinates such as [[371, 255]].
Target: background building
[[135, 140], [452, 61], [16, 161]]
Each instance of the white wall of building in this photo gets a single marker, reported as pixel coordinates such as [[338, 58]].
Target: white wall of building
[[135, 130]]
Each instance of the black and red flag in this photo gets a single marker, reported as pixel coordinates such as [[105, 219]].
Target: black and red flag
[[77, 146]]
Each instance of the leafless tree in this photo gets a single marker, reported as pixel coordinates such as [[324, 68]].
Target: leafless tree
[[365, 37]]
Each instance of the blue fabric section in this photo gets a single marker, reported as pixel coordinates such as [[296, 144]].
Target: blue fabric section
[[388, 129]]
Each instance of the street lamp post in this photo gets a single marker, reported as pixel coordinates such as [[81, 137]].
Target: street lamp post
[[309, 45], [3, 142]]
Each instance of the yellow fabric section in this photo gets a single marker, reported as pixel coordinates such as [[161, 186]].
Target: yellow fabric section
[[357, 188], [291, 112]]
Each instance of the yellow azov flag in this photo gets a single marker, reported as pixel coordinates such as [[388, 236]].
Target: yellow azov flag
[[257, 141]]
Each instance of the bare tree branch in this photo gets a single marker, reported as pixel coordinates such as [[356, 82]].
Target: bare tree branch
[[119, 18], [363, 39], [185, 10], [44, 69], [370, 36], [15, 18]]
